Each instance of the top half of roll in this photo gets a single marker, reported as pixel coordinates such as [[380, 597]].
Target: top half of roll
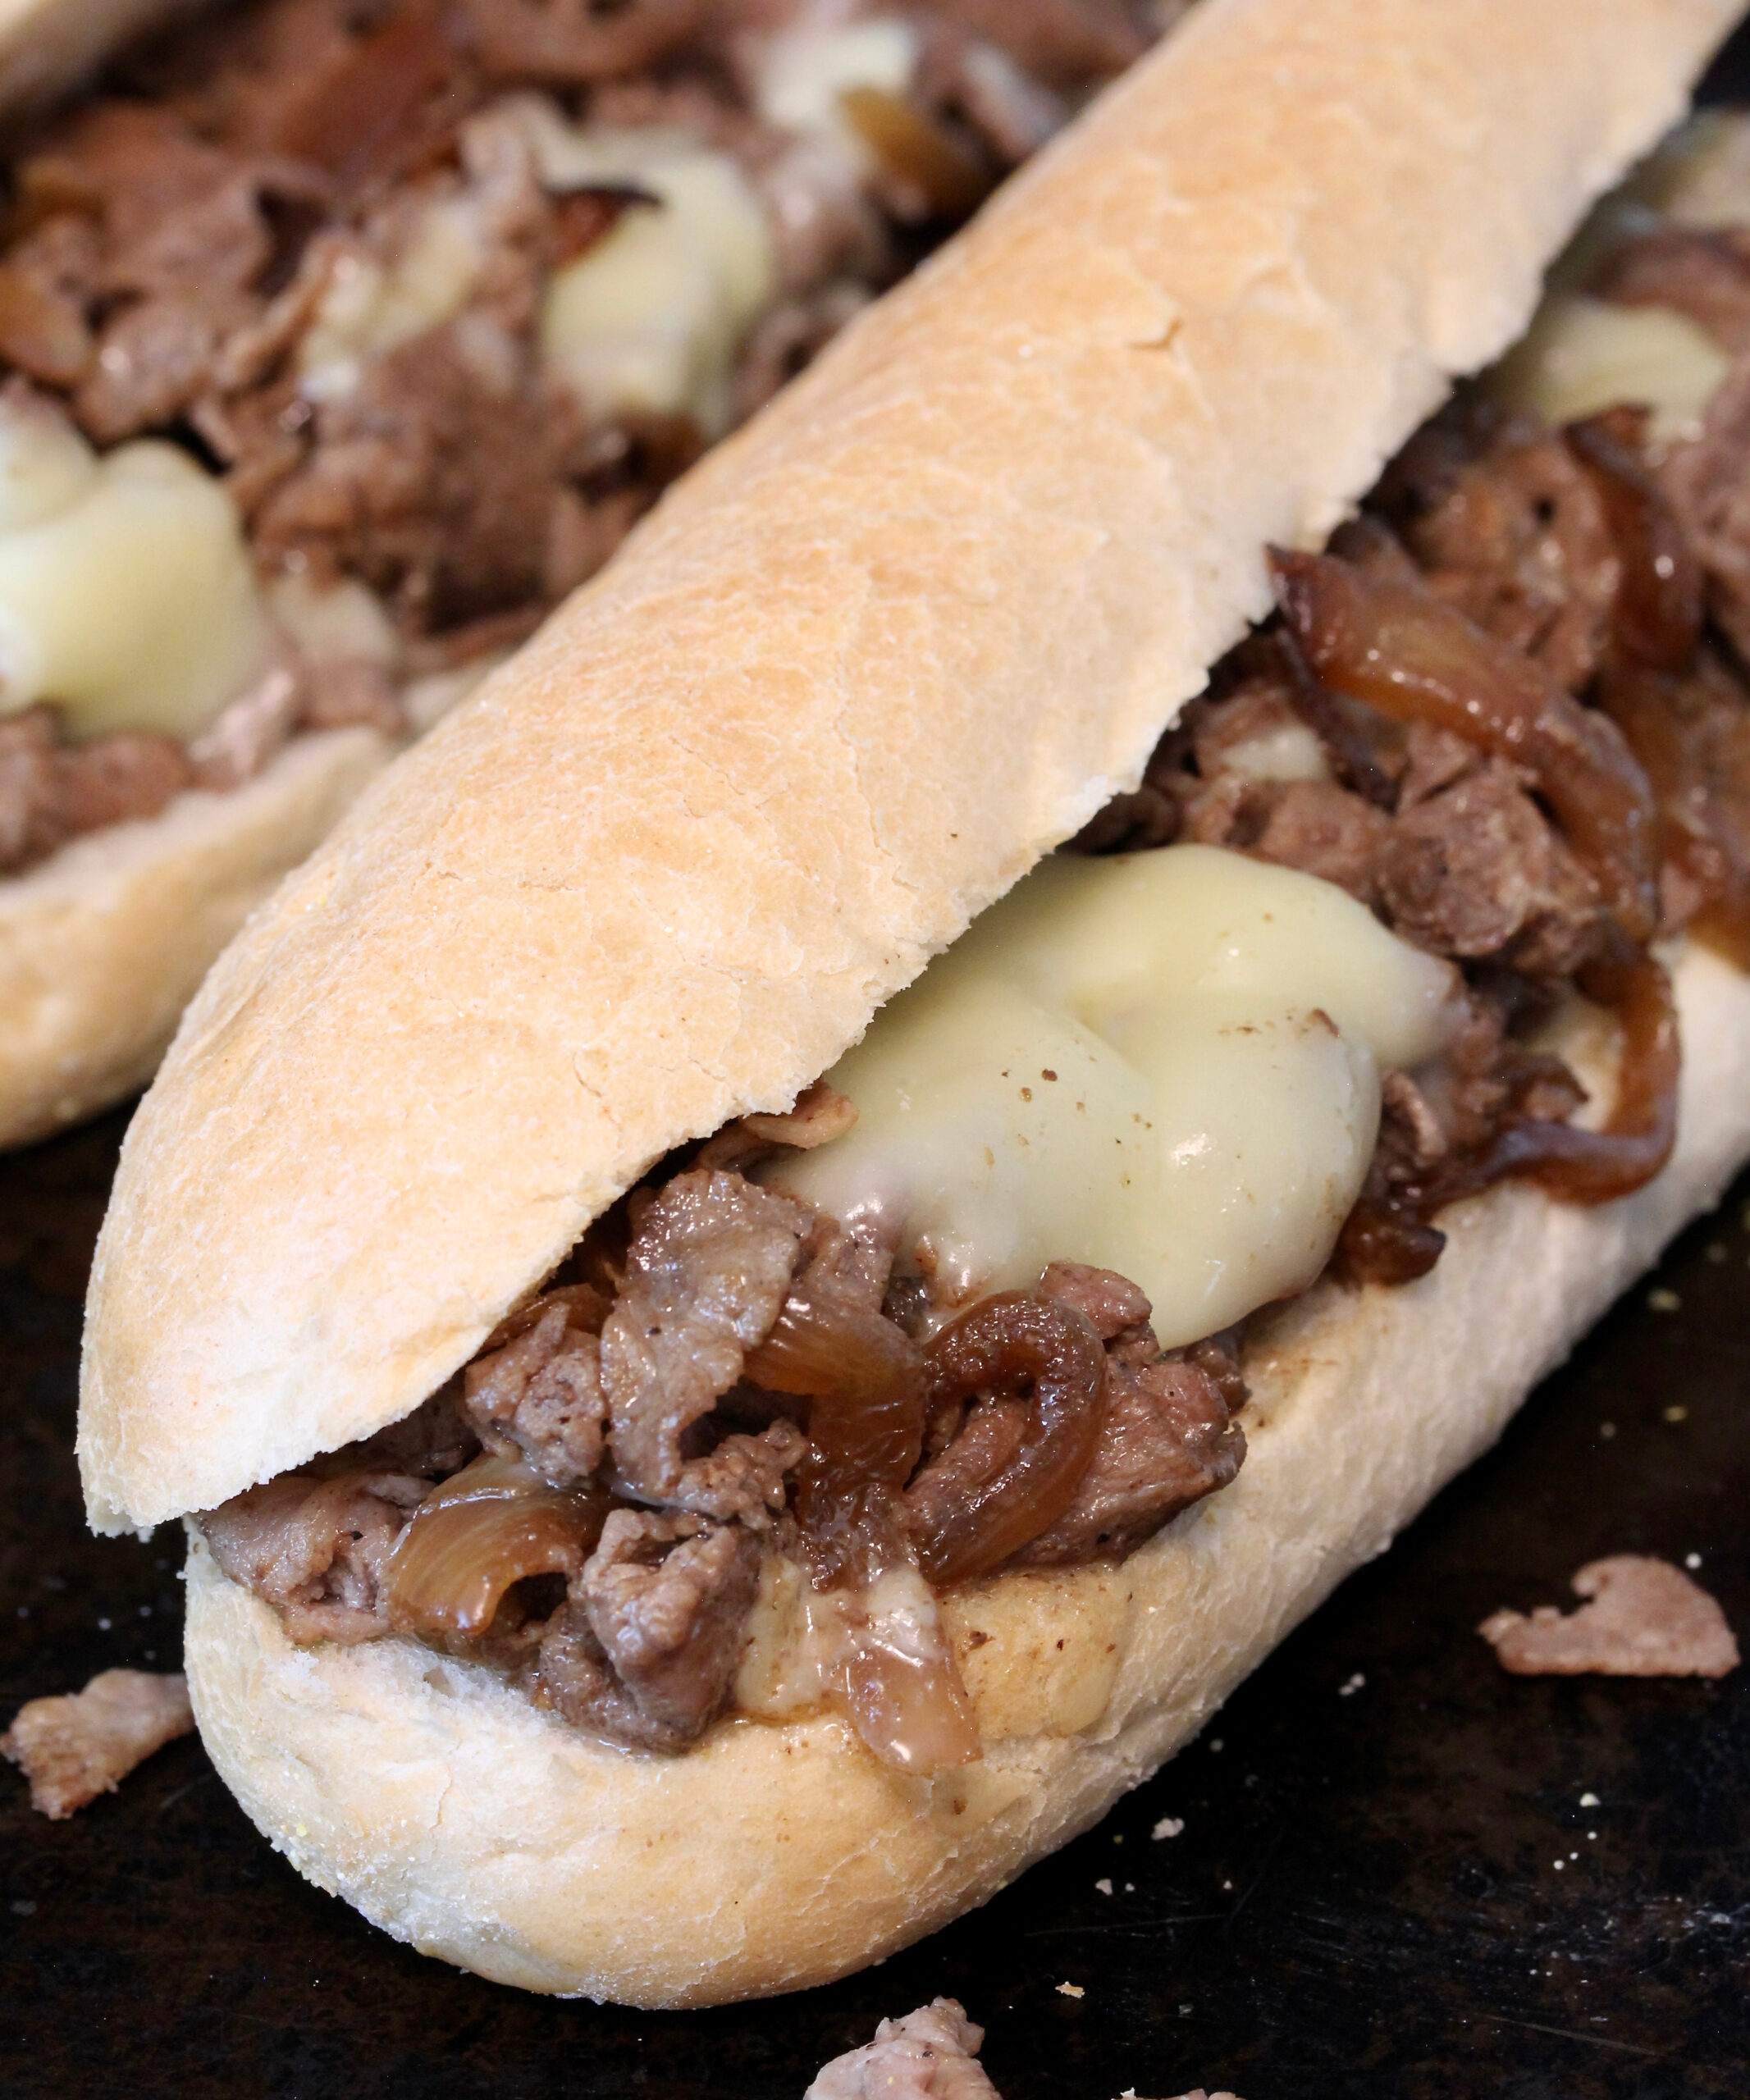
[[886, 648]]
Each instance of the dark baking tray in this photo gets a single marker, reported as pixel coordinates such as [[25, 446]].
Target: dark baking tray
[[1386, 1884]]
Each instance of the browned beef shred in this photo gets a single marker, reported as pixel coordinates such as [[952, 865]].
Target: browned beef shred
[[1623, 574], [635, 1384]]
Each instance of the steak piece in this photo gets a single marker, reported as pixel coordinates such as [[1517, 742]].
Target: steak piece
[[644, 1651], [1166, 1442], [541, 1394], [1508, 527], [74, 1748], [929, 2055], [51, 792], [1476, 869], [707, 1276], [1702, 272], [1644, 1619], [1707, 484], [317, 1548]]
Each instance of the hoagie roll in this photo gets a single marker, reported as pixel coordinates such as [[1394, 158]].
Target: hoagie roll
[[640, 1364], [337, 346]]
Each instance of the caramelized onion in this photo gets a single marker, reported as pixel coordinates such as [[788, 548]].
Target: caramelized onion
[[1596, 1166], [1388, 642], [1655, 621], [904, 1689], [864, 1378], [914, 150], [1706, 820], [1389, 1240], [1044, 1351], [492, 1524]]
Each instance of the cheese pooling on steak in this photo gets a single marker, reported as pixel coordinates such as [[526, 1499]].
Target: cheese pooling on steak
[[339, 341], [982, 1300]]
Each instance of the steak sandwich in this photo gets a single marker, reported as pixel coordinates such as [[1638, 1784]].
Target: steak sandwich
[[338, 341], [830, 1210]]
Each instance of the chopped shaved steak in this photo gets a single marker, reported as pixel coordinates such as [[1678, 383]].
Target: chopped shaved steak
[[541, 1394], [1705, 483], [317, 1548], [51, 792], [667, 1598], [74, 1748], [707, 1278], [1167, 1439], [1645, 1618], [929, 2055], [1510, 528], [1702, 272]]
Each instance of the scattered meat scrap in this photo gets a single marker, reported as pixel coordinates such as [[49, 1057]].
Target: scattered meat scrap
[[74, 1748], [1644, 1619], [926, 2056]]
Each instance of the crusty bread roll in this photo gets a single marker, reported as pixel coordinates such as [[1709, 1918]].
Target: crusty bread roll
[[886, 647], [880, 651], [102, 945], [455, 1815]]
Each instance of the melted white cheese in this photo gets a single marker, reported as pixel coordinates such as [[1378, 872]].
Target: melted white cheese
[[335, 623], [126, 592], [1581, 355], [649, 319], [1700, 175], [804, 72], [368, 306], [1164, 1063]]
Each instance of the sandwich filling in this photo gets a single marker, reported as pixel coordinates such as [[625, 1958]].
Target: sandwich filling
[[981, 1300], [340, 341]]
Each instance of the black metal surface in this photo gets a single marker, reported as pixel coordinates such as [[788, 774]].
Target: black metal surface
[[1365, 1898]]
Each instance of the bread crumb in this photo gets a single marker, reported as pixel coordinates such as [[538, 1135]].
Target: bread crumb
[[1103, 1885], [73, 1748], [1692, 1560], [1644, 1619], [1355, 1684], [1676, 1413], [1169, 1826], [1590, 1800], [1664, 1301], [1070, 1991]]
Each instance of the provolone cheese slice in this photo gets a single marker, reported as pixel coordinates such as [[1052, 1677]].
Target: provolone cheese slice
[[1165, 1063]]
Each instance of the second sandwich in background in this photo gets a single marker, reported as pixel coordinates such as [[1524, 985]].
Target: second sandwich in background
[[339, 343]]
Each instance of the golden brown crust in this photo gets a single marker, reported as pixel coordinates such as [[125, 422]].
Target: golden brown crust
[[102, 945], [456, 1816], [887, 646]]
